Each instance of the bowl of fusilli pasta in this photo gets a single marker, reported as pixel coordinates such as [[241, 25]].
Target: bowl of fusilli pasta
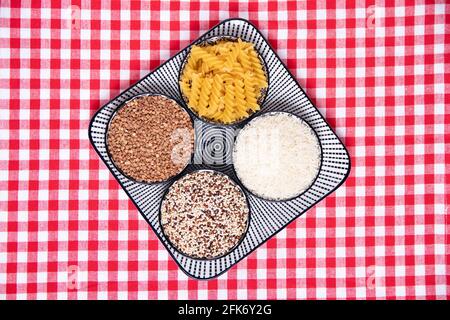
[[223, 80]]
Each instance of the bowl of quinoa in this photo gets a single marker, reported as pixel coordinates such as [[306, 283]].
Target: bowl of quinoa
[[204, 214]]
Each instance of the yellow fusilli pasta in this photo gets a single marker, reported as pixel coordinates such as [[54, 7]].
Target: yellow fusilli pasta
[[205, 92], [216, 94], [196, 86], [223, 82], [250, 96]]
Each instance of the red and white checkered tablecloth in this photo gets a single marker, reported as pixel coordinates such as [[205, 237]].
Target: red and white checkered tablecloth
[[377, 72]]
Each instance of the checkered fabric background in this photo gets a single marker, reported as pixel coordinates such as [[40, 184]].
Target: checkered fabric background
[[378, 74]]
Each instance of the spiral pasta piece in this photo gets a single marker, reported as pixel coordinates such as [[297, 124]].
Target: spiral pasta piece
[[250, 94], [210, 60], [241, 104], [195, 91], [257, 71], [203, 100], [230, 109], [245, 61], [186, 88], [231, 58], [216, 92]]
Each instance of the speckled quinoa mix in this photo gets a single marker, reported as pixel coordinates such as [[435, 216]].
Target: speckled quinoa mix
[[204, 214], [151, 139]]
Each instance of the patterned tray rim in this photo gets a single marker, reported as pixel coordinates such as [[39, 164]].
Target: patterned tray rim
[[94, 116]]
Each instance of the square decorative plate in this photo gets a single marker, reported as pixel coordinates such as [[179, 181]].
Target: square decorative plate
[[267, 218]]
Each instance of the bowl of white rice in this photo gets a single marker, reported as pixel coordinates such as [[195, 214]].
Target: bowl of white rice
[[277, 156]]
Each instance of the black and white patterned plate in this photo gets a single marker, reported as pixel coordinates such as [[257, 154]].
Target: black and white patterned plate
[[213, 150]]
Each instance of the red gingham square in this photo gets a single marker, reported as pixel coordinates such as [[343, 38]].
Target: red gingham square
[[378, 71]]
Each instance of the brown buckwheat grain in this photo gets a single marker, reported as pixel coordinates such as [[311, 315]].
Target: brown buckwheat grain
[[151, 139]]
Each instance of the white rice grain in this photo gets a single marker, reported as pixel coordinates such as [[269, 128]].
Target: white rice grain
[[277, 156]]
